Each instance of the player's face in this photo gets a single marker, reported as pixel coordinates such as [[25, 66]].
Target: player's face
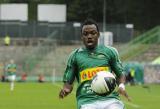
[[90, 36]]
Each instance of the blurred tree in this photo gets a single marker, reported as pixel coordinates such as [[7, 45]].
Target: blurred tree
[[4, 1], [32, 10], [142, 13], [78, 10]]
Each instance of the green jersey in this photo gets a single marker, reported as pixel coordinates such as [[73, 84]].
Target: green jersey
[[11, 69], [83, 64]]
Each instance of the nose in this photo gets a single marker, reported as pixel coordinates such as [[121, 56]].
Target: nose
[[89, 36]]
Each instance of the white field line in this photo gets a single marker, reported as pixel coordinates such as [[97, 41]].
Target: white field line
[[131, 104]]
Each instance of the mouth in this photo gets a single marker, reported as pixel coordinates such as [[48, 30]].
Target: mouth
[[90, 42]]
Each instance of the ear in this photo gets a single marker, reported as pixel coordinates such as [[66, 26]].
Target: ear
[[81, 37], [98, 34]]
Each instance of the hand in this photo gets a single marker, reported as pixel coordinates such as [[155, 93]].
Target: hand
[[67, 88], [124, 93]]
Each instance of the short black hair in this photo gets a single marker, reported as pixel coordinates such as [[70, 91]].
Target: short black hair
[[90, 22]]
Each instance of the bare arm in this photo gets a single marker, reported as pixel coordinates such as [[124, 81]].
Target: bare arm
[[121, 88]]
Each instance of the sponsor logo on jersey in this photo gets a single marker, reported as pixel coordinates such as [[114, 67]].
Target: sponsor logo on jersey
[[101, 56], [88, 74], [12, 70]]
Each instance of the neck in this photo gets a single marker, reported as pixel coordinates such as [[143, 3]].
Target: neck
[[91, 48]]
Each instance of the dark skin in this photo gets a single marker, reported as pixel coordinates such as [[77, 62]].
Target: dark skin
[[90, 36]]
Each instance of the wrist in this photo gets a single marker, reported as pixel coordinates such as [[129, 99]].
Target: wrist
[[122, 86]]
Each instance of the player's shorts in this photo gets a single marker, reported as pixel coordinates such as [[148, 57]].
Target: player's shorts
[[11, 77], [107, 104]]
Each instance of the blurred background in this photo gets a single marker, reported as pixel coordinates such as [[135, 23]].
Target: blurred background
[[40, 34]]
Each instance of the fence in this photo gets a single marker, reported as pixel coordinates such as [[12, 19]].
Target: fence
[[50, 61], [47, 56], [60, 31], [141, 44], [152, 73]]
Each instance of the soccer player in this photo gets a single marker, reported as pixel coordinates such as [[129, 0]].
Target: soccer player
[[82, 65], [11, 73]]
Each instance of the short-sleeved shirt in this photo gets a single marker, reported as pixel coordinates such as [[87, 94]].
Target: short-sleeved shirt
[[11, 69], [83, 64]]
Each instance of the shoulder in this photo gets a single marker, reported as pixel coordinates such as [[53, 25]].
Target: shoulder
[[114, 53], [72, 56], [109, 49], [112, 49], [77, 50], [74, 52]]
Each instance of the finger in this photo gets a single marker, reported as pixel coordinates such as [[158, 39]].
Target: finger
[[67, 90], [129, 99], [126, 95], [62, 94]]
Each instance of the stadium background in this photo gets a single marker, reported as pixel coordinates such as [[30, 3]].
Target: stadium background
[[42, 47]]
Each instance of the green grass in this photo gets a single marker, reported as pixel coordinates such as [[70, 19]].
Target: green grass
[[33, 96], [45, 96], [143, 98]]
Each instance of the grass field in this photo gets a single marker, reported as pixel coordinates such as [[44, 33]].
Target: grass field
[[45, 96]]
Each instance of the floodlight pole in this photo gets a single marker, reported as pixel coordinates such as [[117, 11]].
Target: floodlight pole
[[104, 16], [104, 20]]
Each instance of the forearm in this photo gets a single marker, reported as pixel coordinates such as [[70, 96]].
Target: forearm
[[121, 82], [121, 79], [121, 87]]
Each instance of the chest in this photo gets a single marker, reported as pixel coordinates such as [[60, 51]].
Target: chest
[[92, 59]]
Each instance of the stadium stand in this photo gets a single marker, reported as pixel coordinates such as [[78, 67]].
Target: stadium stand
[[142, 45]]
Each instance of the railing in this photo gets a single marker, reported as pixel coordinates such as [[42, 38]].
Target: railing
[[58, 31], [140, 44]]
